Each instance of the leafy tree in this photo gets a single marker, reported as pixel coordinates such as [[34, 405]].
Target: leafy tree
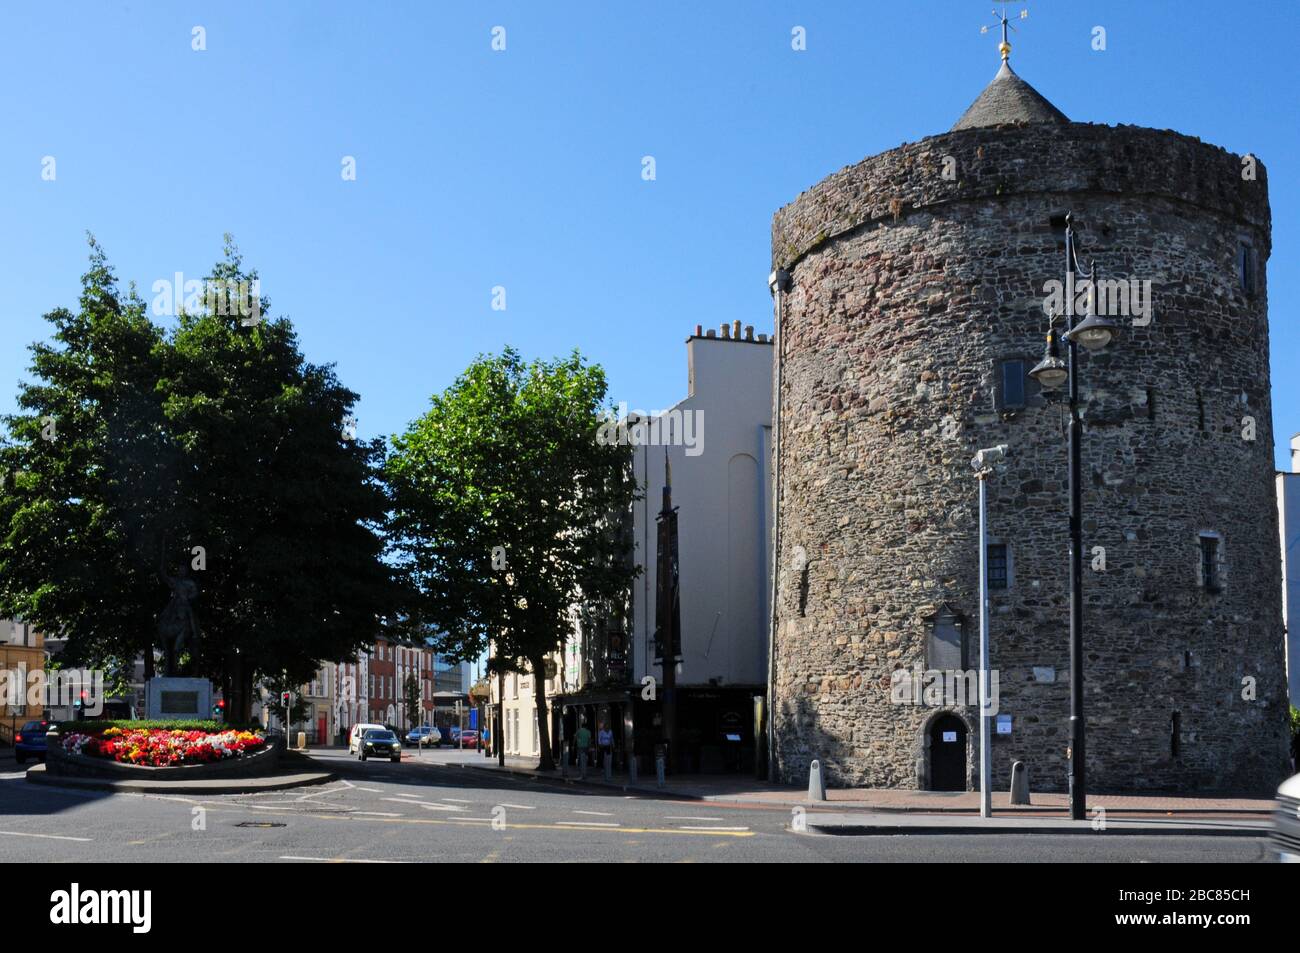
[[506, 464], [91, 479], [217, 435]]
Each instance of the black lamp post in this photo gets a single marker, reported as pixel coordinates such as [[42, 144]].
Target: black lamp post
[[1094, 333]]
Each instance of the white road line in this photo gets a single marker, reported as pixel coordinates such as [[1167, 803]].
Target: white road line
[[688, 827], [370, 790], [455, 800], [587, 824], [480, 820], [377, 814], [673, 817], [417, 796], [427, 804], [518, 807], [42, 836], [595, 813], [340, 860]]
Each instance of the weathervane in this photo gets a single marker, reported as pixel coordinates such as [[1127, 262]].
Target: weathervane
[[1005, 46]]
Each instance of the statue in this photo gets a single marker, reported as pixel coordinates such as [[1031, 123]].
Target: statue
[[177, 627]]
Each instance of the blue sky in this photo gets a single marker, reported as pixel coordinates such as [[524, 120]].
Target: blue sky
[[522, 168]]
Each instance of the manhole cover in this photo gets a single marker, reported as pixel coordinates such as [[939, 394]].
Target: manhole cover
[[259, 824]]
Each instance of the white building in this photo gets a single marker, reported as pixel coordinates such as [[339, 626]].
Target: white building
[[1288, 520], [717, 444]]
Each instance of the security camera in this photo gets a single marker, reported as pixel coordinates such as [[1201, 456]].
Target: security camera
[[984, 459]]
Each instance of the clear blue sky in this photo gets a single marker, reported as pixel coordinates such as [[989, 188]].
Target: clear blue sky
[[523, 168]]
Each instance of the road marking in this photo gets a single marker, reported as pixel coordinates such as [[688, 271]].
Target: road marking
[[595, 813], [589, 824], [455, 800], [688, 827], [43, 836], [417, 796], [674, 817], [477, 820], [427, 804], [518, 807], [340, 860], [376, 814]]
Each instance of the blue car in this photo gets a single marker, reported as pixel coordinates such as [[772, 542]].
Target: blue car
[[29, 742]]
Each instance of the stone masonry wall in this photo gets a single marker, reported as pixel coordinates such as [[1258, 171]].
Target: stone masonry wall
[[909, 289]]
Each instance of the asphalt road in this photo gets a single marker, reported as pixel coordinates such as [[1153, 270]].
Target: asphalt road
[[438, 810]]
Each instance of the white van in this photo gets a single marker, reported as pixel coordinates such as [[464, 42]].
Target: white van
[[354, 736]]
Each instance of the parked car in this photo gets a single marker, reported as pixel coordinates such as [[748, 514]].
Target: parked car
[[1286, 821], [380, 743], [467, 739], [424, 736], [354, 736], [29, 741], [449, 735]]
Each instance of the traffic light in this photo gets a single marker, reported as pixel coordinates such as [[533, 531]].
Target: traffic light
[[219, 709], [81, 705], [286, 699]]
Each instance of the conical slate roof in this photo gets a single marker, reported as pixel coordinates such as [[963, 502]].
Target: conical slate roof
[[1008, 99]]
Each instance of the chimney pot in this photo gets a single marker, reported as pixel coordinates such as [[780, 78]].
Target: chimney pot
[[762, 339], [749, 332], [735, 329], [711, 333], [699, 331], [726, 330]]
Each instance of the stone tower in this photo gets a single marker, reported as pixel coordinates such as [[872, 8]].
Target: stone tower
[[916, 309]]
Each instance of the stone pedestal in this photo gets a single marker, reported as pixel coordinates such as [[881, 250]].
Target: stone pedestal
[[188, 698]]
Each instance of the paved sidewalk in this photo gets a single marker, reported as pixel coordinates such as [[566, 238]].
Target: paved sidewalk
[[864, 823], [733, 788]]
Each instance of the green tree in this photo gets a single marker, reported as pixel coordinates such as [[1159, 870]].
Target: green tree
[[214, 450], [88, 479], [506, 511]]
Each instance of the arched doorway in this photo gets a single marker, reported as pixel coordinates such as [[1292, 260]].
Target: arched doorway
[[947, 743]]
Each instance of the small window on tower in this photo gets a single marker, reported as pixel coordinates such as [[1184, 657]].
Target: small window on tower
[[997, 566], [1246, 268], [1210, 577], [1012, 384]]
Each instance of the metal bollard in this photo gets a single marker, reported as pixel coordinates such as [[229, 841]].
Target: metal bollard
[[659, 768], [631, 768], [564, 759], [609, 766], [816, 783], [1019, 783], [582, 765]]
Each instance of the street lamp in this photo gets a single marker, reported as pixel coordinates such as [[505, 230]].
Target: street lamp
[[1094, 333], [983, 464]]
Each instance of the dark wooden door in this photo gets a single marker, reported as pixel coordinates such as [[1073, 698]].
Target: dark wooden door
[[948, 754]]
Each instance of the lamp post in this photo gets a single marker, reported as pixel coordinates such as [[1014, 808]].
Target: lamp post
[[983, 463], [1094, 333]]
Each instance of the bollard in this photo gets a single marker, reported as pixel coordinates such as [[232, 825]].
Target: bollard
[[582, 765], [302, 741], [631, 768], [816, 783], [609, 766], [1019, 783], [564, 759], [659, 767]]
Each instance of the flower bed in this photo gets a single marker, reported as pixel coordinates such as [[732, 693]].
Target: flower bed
[[160, 748]]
